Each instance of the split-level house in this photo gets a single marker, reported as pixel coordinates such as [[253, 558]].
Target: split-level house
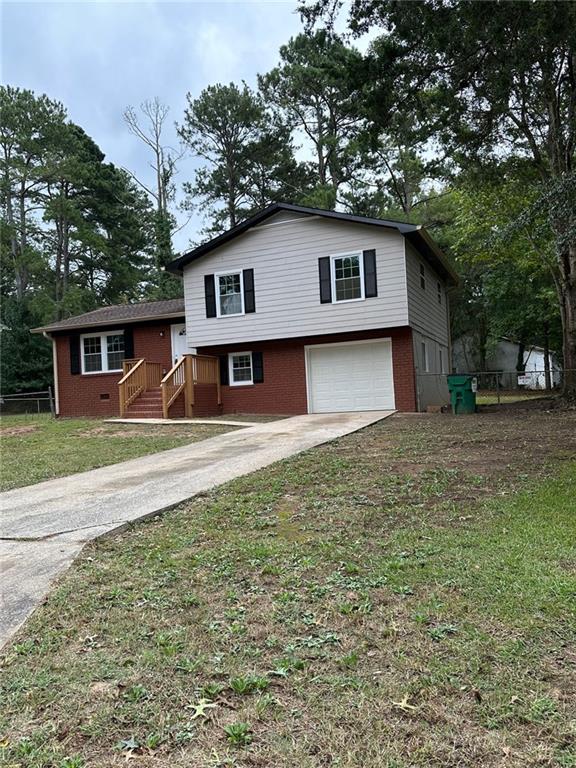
[[295, 310]]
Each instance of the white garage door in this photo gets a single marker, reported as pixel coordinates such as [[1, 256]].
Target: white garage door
[[350, 377]]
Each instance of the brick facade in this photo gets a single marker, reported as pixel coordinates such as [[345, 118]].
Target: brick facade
[[283, 390], [96, 394]]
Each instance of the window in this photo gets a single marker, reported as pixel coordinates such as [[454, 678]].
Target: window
[[102, 353], [347, 277], [230, 299], [425, 367], [439, 294], [240, 364], [422, 277]]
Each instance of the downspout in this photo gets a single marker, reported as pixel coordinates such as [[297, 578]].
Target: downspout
[[55, 368]]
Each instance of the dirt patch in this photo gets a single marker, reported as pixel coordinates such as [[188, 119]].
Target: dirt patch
[[16, 431]]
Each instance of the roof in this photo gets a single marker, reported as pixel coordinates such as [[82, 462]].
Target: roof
[[414, 233], [119, 313]]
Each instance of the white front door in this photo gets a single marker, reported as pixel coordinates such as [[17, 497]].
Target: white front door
[[350, 377], [179, 342]]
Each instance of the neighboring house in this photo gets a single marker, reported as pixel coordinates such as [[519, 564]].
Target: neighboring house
[[502, 358], [305, 310]]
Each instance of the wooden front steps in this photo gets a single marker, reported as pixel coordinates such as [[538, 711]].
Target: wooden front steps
[[148, 405], [145, 394]]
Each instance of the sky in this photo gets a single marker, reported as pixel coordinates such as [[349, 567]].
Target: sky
[[99, 57]]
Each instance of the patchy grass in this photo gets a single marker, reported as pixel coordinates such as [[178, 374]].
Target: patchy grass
[[401, 597], [492, 397], [36, 448]]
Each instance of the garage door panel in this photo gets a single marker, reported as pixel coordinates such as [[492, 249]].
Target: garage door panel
[[351, 377]]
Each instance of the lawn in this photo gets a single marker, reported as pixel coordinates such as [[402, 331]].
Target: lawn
[[35, 448], [402, 597], [491, 397]]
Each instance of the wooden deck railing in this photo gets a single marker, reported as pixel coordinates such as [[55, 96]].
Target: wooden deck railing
[[184, 375], [139, 375]]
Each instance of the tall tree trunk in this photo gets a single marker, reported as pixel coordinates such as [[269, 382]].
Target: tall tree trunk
[[547, 377], [566, 285]]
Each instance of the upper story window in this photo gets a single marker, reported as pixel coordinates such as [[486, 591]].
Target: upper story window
[[230, 294], [347, 277], [102, 352], [422, 277]]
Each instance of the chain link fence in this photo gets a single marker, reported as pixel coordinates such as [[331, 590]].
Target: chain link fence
[[492, 387], [28, 403]]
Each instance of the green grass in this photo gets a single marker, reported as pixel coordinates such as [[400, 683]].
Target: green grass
[[400, 598], [486, 397], [35, 448]]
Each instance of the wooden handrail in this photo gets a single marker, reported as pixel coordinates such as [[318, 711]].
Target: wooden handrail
[[172, 385], [188, 371], [138, 376]]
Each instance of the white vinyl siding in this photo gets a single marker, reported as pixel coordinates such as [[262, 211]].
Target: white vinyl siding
[[426, 312], [285, 262]]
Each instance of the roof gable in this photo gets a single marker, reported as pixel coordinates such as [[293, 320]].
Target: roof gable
[[416, 234]]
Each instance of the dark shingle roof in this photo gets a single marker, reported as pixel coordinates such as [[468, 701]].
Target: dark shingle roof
[[119, 313], [414, 233]]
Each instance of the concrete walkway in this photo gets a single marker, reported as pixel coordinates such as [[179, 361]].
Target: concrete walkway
[[44, 526]]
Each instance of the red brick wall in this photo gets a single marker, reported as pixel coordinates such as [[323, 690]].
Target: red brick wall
[[283, 390], [80, 395]]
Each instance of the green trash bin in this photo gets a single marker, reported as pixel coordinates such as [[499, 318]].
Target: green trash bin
[[462, 390]]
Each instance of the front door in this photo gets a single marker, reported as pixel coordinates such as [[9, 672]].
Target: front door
[[179, 345]]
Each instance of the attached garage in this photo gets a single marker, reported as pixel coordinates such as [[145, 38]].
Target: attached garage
[[352, 376]]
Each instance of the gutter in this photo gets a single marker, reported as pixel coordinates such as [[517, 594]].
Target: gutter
[[104, 323], [55, 368]]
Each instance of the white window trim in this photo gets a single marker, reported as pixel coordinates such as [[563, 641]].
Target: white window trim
[[217, 276], [333, 258], [231, 357], [103, 351]]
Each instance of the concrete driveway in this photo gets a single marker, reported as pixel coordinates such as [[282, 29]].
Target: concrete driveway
[[44, 526]]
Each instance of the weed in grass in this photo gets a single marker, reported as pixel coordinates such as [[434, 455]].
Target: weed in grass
[[349, 661], [245, 685], [211, 691], [135, 693], [442, 631], [189, 666], [238, 734]]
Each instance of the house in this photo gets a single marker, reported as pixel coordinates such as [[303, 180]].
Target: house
[[503, 358], [294, 310], [90, 351]]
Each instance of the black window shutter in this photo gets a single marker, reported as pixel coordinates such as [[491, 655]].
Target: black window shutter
[[370, 283], [75, 366], [224, 379], [249, 295], [257, 368], [325, 281], [210, 295], [128, 343]]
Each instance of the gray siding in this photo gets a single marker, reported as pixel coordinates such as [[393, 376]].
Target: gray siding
[[431, 380], [425, 313], [284, 257]]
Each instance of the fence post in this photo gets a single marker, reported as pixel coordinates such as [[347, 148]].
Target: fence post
[[498, 387], [51, 398]]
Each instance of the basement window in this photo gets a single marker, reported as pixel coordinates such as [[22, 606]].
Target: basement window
[[102, 352]]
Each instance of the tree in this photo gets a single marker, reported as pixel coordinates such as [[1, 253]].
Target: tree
[[149, 130], [248, 155], [315, 89], [76, 231], [503, 80]]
